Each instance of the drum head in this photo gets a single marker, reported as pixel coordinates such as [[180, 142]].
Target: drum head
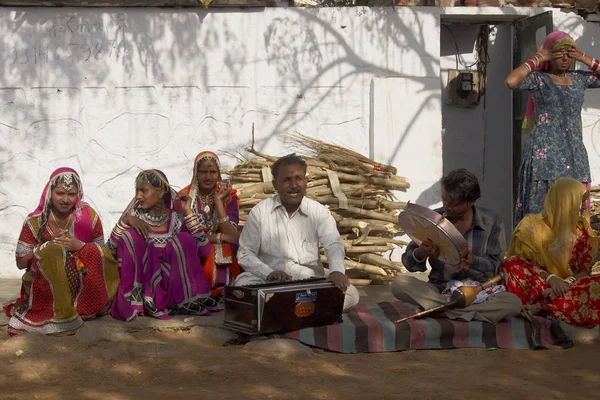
[[422, 224]]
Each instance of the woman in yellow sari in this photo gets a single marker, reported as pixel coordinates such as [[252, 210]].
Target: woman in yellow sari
[[217, 206], [550, 257]]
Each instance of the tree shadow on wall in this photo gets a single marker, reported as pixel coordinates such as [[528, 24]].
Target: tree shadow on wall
[[350, 36]]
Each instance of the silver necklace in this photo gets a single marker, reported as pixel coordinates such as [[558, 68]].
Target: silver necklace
[[154, 220]]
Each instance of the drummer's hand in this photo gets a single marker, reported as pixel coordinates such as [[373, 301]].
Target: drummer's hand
[[278, 276], [466, 261], [427, 250]]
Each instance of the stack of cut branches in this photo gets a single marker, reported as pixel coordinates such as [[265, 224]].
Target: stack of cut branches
[[595, 197], [357, 191]]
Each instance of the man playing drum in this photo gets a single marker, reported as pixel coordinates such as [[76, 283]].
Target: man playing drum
[[281, 237], [484, 234]]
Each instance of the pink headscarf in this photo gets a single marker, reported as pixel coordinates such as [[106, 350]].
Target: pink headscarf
[[82, 223], [553, 41]]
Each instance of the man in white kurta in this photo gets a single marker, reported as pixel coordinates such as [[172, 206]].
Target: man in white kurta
[[281, 237]]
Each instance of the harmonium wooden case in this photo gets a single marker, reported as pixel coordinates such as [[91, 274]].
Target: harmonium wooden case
[[282, 306]]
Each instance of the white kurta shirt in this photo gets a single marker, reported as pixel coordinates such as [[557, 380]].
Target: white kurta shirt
[[273, 241]]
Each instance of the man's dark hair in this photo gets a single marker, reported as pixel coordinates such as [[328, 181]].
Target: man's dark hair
[[290, 159], [461, 185]]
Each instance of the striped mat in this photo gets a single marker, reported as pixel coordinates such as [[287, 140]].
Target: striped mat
[[369, 328]]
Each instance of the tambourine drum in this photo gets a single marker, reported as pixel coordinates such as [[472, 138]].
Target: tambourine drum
[[422, 224]]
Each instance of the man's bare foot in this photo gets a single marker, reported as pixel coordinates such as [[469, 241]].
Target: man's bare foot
[[531, 309]]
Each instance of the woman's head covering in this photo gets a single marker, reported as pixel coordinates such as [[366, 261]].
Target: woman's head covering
[[66, 176], [553, 41], [192, 189], [82, 219], [205, 156], [549, 237], [157, 180]]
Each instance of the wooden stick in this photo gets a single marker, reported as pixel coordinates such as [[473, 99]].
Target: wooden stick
[[359, 282], [378, 260], [363, 203], [351, 264], [395, 182], [367, 249], [248, 178], [371, 214], [258, 153], [372, 240], [317, 182], [362, 225], [241, 171], [256, 188]]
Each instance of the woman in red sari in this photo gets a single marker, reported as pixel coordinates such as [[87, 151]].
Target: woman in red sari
[[70, 274], [217, 206], [551, 255]]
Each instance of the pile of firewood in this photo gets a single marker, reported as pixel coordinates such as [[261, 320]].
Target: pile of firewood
[[357, 191], [595, 203]]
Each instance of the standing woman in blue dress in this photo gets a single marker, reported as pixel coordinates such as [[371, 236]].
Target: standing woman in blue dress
[[554, 148]]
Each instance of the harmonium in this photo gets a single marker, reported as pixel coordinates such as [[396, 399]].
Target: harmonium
[[282, 306]]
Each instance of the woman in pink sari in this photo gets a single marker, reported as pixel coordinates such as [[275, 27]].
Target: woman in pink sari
[[158, 248], [70, 274]]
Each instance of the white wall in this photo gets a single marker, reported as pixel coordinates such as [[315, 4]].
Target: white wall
[[113, 91], [156, 86], [480, 138]]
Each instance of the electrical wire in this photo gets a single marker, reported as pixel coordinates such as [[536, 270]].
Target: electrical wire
[[457, 55], [482, 57]]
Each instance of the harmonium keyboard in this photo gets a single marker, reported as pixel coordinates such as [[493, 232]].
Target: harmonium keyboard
[[282, 306]]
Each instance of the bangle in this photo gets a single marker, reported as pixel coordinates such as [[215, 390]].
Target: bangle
[[527, 66], [595, 64], [223, 220], [549, 277], [417, 260], [582, 55], [569, 279], [541, 60], [219, 238]]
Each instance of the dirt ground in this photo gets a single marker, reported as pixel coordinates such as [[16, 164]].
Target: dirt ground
[[104, 362]]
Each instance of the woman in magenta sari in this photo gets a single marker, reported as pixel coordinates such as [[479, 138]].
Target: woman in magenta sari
[[158, 248], [70, 274]]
